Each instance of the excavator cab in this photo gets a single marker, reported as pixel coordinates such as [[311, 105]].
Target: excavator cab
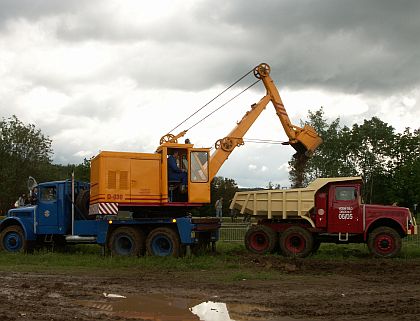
[[192, 184], [177, 173]]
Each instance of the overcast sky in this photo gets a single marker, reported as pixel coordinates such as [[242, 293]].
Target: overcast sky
[[118, 75]]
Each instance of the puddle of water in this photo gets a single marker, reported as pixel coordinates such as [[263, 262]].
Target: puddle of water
[[156, 307], [159, 307]]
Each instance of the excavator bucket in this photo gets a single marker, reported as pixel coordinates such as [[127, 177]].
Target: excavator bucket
[[307, 140]]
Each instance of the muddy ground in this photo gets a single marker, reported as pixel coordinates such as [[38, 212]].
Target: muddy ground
[[370, 289]]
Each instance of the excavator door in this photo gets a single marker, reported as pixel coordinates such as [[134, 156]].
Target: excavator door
[[198, 176]]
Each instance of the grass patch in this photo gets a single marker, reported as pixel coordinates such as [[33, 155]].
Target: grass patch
[[342, 251], [90, 257], [229, 262], [410, 250]]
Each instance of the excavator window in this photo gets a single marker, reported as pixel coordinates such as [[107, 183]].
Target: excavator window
[[181, 159], [199, 167]]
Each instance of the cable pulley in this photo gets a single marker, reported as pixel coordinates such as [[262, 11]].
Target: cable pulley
[[228, 143], [262, 70]]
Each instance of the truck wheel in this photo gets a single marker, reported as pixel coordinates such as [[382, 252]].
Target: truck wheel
[[163, 241], [297, 242], [126, 241], [13, 239], [260, 239], [384, 242]]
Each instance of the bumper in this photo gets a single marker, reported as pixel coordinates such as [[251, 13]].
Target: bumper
[[413, 230]]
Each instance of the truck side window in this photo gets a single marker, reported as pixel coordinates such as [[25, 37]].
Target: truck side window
[[345, 193], [199, 167], [48, 194]]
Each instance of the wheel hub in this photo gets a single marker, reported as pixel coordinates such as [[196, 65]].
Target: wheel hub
[[385, 244], [12, 242], [162, 246], [295, 243], [124, 244], [259, 241]]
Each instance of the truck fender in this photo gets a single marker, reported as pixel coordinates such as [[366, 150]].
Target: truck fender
[[27, 230], [384, 222], [309, 220]]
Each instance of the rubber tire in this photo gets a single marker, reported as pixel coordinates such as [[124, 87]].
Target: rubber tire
[[126, 241], [163, 241], [260, 239], [301, 235], [15, 233], [392, 241], [82, 204]]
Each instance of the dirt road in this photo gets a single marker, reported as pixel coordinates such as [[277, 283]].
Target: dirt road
[[302, 290]]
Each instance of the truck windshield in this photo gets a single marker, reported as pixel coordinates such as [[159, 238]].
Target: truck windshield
[[48, 194], [199, 167], [345, 193]]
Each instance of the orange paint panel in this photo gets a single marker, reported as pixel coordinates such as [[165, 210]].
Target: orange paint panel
[[117, 177], [199, 192]]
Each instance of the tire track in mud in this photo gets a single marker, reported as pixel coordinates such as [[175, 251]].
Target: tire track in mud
[[304, 289]]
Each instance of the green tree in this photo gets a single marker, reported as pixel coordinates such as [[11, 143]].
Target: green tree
[[388, 162], [61, 172], [404, 179], [330, 159], [220, 187], [271, 185], [24, 152], [370, 152], [223, 187]]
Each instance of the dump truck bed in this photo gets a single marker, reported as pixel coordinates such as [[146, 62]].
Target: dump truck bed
[[282, 203]]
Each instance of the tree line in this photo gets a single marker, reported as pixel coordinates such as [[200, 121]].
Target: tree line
[[25, 151], [387, 161]]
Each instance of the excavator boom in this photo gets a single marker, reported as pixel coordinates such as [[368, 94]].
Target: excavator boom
[[304, 140], [226, 145]]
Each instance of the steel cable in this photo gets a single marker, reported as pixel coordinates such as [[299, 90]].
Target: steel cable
[[213, 99], [263, 141], [253, 84]]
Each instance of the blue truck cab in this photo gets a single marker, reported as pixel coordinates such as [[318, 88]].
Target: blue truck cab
[[53, 217]]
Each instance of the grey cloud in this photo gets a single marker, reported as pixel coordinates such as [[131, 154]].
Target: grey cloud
[[350, 46], [360, 46], [87, 107], [36, 9]]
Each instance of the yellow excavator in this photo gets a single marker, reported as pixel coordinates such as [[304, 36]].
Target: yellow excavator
[[138, 182]]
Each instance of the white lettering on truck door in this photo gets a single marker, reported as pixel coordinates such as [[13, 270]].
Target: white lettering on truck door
[[345, 213]]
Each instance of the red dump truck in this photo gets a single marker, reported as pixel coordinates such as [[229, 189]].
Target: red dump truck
[[297, 221]]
